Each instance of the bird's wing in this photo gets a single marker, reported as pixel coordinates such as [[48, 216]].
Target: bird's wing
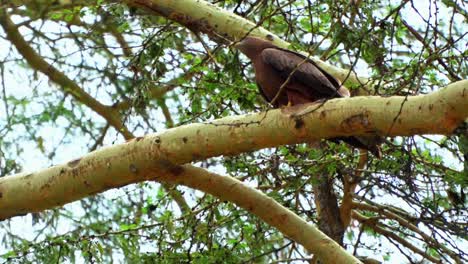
[[308, 73], [262, 93]]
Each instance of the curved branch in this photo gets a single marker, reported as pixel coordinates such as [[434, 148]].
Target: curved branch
[[128, 163], [201, 16], [66, 84], [223, 187], [157, 156], [110, 114], [270, 211]]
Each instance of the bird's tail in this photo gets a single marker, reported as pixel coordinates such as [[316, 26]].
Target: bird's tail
[[370, 143]]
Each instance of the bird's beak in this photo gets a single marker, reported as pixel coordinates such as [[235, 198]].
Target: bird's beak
[[240, 45]]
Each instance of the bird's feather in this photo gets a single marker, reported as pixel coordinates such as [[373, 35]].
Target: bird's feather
[[293, 79], [302, 70]]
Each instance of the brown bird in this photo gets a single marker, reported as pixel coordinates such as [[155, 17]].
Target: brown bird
[[285, 77]]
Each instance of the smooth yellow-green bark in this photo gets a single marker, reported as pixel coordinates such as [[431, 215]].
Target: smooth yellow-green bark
[[266, 208], [437, 113]]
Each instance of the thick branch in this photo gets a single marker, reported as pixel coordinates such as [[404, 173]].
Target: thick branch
[[438, 113], [110, 114], [270, 211], [159, 154], [201, 16]]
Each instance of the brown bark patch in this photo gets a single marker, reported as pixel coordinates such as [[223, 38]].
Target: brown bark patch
[[270, 37], [355, 122], [282, 218], [86, 183], [26, 177], [74, 163], [196, 25], [45, 186], [157, 140], [172, 168], [323, 114], [294, 110], [176, 170], [298, 123], [133, 169]]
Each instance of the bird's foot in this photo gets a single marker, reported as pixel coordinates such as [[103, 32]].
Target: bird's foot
[[286, 106], [320, 101]]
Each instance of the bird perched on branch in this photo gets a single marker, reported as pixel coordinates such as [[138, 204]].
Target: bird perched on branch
[[285, 77]]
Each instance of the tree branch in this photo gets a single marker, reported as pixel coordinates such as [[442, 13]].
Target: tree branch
[[390, 235], [223, 187], [224, 26], [156, 154], [201, 16], [66, 84], [349, 187], [110, 114], [270, 211], [404, 222]]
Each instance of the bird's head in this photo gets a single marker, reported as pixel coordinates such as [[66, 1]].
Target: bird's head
[[252, 46]]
